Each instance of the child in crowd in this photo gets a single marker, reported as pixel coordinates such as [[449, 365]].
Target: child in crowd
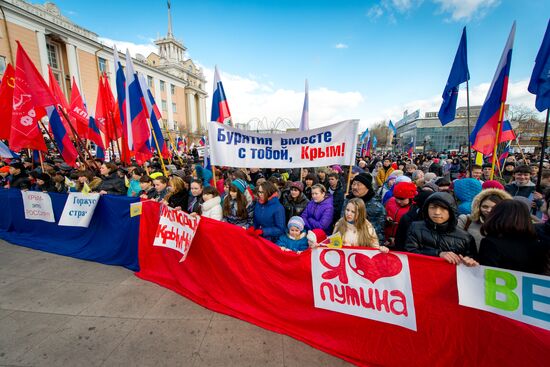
[[211, 206], [295, 239], [236, 210], [355, 229]]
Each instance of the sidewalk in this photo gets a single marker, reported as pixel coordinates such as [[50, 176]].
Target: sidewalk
[[59, 311]]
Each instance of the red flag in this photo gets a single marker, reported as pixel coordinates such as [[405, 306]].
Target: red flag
[[60, 99], [6, 101], [30, 96], [78, 111]]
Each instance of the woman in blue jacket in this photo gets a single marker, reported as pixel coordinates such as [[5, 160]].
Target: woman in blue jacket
[[269, 214]]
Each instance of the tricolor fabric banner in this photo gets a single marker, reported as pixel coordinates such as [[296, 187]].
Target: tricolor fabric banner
[[329, 145], [238, 274]]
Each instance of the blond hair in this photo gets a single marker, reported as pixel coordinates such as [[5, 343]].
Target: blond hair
[[364, 227]]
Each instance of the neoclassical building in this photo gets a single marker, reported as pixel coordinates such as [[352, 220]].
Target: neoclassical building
[[50, 38]]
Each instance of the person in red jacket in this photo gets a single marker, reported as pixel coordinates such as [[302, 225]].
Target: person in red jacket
[[396, 207]]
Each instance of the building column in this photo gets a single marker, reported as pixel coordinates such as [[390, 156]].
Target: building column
[[202, 112], [191, 111], [43, 52], [170, 121], [73, 64]]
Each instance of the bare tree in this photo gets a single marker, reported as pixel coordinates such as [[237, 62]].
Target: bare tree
[[522, 113], [382, 132]]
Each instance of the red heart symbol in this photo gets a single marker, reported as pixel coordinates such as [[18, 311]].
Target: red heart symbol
[[376, 267]]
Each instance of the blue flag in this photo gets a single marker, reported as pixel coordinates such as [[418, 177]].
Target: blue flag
[[392, 127], [459, 74], [540, 79]]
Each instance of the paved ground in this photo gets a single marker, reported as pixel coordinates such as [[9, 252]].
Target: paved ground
[[59, 311]]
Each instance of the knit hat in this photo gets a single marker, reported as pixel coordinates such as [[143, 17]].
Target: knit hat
[[155, 175], [365, 179], [337, 168], [316, 235], [402, 178], [297, 222], [240, 184], [404, 190], [492, 184], [297, 185], [5, 169]]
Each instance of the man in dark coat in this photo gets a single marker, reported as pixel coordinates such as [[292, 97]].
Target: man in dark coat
[[336, 189], [438, 235], [19, 177]]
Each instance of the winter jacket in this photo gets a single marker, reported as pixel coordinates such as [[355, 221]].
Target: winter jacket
[[465, 190], [180, 199], [319, 215], [270, 218], [20, 181], [413, 215], [515, 190], [293, 207], [159, 195], [112, 184], [543, 234], [133, 189], [376, 214], [234, 219], [295, 245], [382, 175], [511, 252], [429, 238], [150, 193], [337, 200], [212, 208], [471, 223], [395, 212]]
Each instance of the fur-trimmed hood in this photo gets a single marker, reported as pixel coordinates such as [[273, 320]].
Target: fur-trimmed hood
[[476, 203]]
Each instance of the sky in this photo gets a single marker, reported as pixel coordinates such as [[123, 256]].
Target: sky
[[369, 60]]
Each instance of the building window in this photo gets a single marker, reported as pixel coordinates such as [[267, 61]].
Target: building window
[[174, 108], [172, 89], [164, 108], [102, 63], [150, 81], [2, 64], [162, 86], [55, 63]]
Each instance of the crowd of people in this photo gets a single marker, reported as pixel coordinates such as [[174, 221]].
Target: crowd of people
[[430, 205]]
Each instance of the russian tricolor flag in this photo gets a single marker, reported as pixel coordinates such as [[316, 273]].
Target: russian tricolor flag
[[154, 115], [483, 136], [61, 137], [220, 108], [121, 96]]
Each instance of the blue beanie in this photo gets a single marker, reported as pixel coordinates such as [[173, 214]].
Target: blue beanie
[[240, 184], [297, 222]]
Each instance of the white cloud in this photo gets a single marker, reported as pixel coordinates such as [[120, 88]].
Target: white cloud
[[466, 9], [135, 48], [375, 12], [341, 45], [517, 95], [255, 99]]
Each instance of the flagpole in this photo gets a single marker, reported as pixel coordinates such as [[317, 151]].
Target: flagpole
[[120, 152], [520, 150], [468, 135], [539, 177], [349, 180], [175, 147], [41, 124], [500, 113], [77, 139], [158, 148], [41, 161]]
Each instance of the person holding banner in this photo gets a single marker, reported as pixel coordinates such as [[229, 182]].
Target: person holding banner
[[236, 209], [320, 210], [269, 214], [111, 183], [510, 240], [438, 235], [178, 197], [211, 206]]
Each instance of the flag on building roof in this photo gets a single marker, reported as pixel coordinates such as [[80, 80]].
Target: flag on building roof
[[6, 101], [61, 137], [459, 74], [484, 133], [78, 111], [31, 96], [540, 78], [304, 121], [220, 108]]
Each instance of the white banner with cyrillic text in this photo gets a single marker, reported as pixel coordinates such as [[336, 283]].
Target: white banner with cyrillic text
[[38, 206], [79, 209], [364, 283], [176, 230], [325, 146]]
